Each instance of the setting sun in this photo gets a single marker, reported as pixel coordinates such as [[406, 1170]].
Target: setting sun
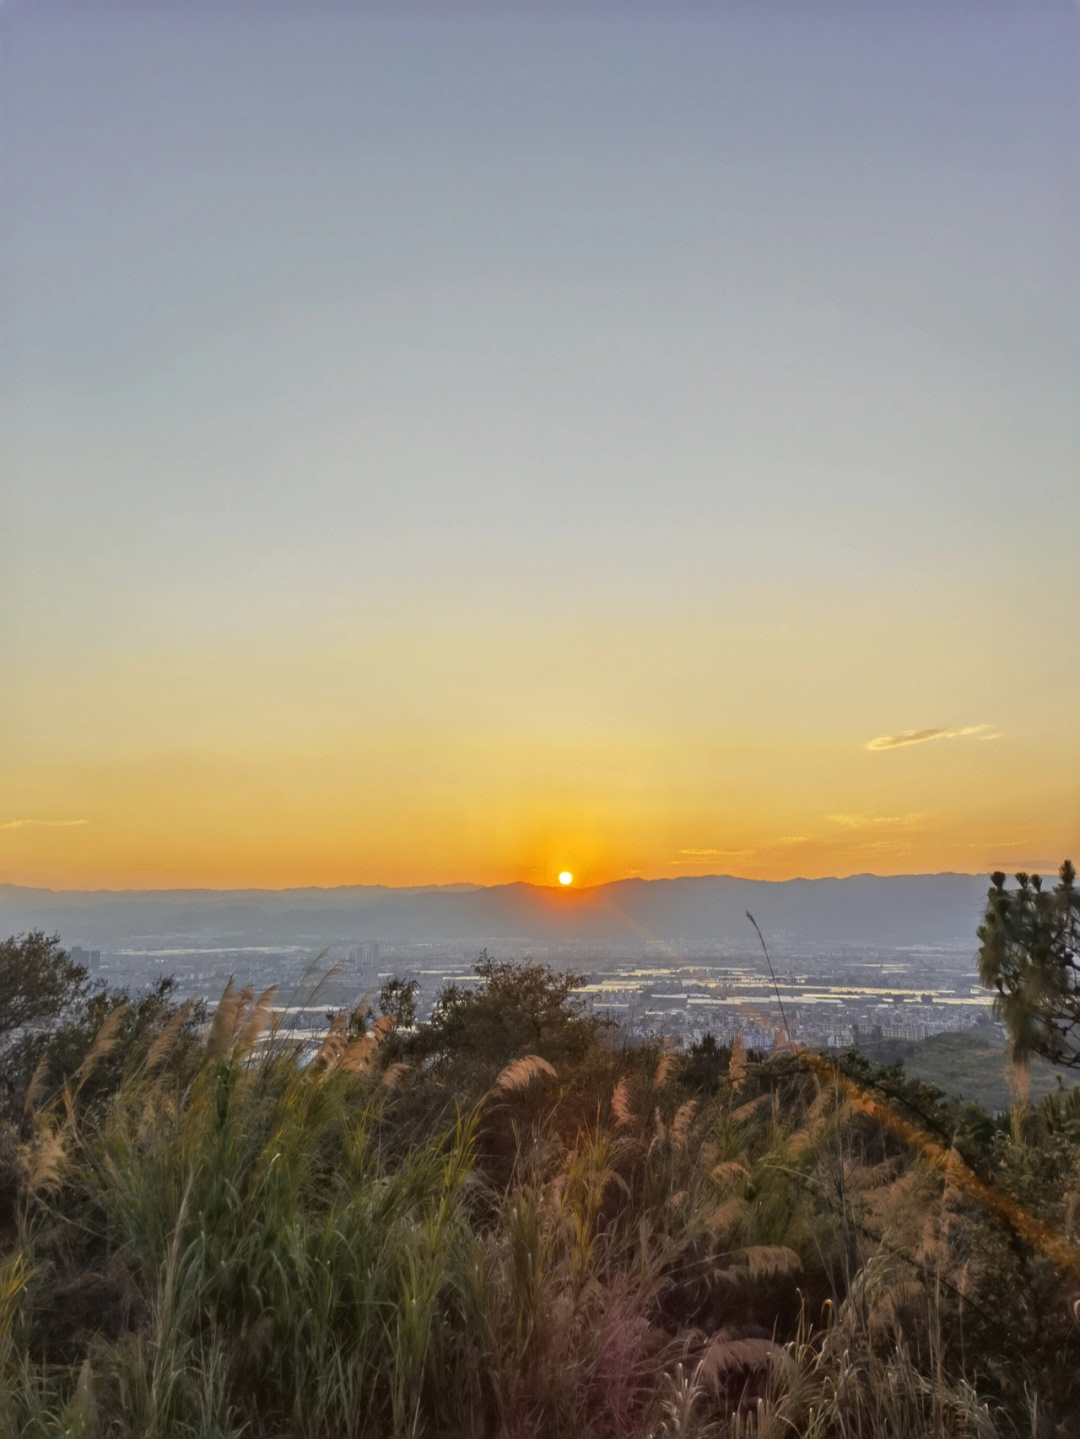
[[272, 679]]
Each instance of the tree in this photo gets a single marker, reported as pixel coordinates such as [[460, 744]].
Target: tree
[[517, 1009], [1030, 955], [397, 1000], [50, 1016], [39, 984], [705, 1068], [142, 1018]]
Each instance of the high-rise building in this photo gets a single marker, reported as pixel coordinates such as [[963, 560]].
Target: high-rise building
[[363, 955]]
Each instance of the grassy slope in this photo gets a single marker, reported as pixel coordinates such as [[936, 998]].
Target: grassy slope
[[239, 1243], [966, 1064]]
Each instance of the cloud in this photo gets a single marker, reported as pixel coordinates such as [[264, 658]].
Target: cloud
[[860, 821], [699, 856], [921, 736], [42, 823]]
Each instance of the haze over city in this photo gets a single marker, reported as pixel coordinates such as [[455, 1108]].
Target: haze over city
[[471, 444]]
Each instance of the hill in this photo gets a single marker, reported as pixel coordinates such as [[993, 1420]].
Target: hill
[[892, 911], [968, 1064], [504, 1223]]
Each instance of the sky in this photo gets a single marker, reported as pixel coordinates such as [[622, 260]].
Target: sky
[[461, 443]]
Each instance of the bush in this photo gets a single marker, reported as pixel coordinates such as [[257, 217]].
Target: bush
[[243, 1235]]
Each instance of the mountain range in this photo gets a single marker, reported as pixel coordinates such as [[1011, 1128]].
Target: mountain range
[[893, 911]]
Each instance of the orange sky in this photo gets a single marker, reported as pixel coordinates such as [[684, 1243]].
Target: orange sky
[[506, 758], [425, 462]]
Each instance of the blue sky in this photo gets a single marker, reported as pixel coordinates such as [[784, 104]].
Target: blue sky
[[643, 406]]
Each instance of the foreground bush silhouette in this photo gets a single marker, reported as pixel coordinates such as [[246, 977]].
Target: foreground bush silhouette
[[245, 1235]]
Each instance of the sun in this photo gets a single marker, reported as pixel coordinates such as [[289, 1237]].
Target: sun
[[566, 877]]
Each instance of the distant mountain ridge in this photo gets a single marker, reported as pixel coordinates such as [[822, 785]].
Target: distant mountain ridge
[[895, 910]]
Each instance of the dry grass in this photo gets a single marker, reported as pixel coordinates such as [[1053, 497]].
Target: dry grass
[[752, 1107], [680, 1125], [44, 1161], [256, 1022], [738, 1064], [37, 1080], [104, 1041], [620, 1104], [522, 1072], [223, 1022], [165, 1042], [306, 1256], [393, 1074]]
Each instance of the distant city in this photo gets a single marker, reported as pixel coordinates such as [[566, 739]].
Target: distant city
[[855, 960], [830, 997]]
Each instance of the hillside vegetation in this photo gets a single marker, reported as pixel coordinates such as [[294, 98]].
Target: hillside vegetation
[[505, 1224], [973, 1064]]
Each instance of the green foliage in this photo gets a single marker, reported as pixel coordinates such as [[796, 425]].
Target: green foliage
[[38, 982], [51, 1016], [397, 1001], [1030, 955], [233, 1239], [972, 1063], [705, 1066], [516, 1009], [50, 1057]]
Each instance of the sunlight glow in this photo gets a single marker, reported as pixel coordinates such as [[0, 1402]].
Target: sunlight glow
[[566, 877]]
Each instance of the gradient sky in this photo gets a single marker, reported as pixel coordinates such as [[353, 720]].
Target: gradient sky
[[467, 442]]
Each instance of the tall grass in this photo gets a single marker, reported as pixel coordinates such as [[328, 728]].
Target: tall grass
[[256, 1239]]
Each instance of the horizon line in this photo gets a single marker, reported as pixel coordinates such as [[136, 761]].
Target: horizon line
[[509, 884]]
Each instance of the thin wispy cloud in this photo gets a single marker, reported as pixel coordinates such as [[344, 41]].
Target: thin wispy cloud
[[861, 821], [923, 736], [42, 823], [701, 856], [695, 852]]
